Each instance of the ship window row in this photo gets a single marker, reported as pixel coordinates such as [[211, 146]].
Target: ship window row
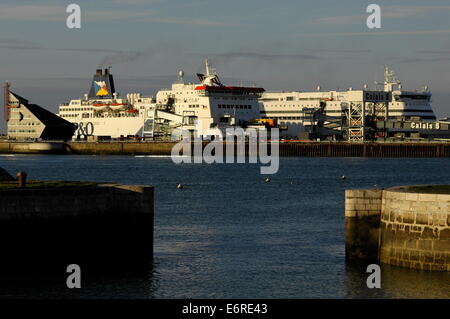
[[289, 118], [231, 106], [76, 109], [230, 98], [23, 124], [285, 117], [290, 105], [22, 131]]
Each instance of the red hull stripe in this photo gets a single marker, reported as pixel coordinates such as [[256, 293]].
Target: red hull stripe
[[229, 88]]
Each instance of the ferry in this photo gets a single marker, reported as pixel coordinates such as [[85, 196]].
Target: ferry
[[293, 109], [201, 106]]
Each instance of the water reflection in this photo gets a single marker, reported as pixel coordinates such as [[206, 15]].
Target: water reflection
[[397, 283], [136, 285]]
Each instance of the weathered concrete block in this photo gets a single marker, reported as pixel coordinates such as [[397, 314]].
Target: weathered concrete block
[[414, 229]]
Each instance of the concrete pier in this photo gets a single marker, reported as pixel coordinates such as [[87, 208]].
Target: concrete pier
[[286, 148], [33, 148], [399, 226], [101, 228], [362, 224]]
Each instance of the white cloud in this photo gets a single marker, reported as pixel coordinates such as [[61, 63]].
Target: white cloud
[[56, 13], [33, 12]]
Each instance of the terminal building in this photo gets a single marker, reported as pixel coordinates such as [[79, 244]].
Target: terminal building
[[26, 121]]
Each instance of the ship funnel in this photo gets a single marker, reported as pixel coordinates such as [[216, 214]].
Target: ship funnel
[[102, 86]]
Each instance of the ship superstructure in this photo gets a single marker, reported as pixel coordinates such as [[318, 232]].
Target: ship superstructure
[[102, 112], [203, 106], [294, 109], [208, 104]]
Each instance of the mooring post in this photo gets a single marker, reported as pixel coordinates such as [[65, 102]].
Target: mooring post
[[22, 179]]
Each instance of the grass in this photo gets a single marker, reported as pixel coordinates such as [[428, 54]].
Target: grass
[[47, 184]]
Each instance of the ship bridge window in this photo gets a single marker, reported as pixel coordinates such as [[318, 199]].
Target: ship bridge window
[[412, 97]]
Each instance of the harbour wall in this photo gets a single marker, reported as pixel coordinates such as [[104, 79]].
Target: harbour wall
[[286, 149], [101, 228], [398, 227]]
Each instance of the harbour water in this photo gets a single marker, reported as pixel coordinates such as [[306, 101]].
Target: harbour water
[[228, 234]]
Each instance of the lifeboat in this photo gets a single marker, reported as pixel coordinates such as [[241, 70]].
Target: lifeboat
[[118, 106], [100, 106], [132, 111]]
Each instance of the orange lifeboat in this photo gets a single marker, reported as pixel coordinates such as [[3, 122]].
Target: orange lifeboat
[[100, 106]]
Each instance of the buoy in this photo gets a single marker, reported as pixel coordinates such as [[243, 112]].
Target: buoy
[[179, 186], [343, 177], [267, 180]]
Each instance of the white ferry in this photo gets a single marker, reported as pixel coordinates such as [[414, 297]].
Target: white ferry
[[207, 104], [293, 109]]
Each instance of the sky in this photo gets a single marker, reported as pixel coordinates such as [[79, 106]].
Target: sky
[[278, 45]]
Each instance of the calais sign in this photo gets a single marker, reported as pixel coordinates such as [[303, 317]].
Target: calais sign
[[426, 125], [376, 96]]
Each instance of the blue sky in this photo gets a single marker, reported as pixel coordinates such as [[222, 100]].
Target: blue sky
[[280, 45]]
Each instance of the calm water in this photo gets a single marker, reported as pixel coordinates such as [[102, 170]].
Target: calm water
[[228, 234]]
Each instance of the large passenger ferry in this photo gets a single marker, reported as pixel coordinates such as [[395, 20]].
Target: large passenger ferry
[[206, 105], [293, 109]]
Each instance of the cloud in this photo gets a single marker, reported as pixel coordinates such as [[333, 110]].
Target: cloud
[[262, 56], [126, 56], [410, 11], [115, 56], [433, 51], [390, 12], [57, 13], [29, 45], [187, 21], [343, 51], [348, 19], [420, 59], [33, 12], [20, 44], [376, 32]]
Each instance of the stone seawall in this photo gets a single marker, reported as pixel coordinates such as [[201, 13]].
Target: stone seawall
[[33, 148], [398, 227], [101, 228], [362, 224], [415, 230]]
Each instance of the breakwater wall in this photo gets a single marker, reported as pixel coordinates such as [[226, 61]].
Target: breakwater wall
[[286, 149], [32, 147], [101, 228], [398, 227]]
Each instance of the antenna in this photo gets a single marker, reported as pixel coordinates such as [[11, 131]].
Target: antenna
[[207, 66], [181, 76], [390, 79]]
